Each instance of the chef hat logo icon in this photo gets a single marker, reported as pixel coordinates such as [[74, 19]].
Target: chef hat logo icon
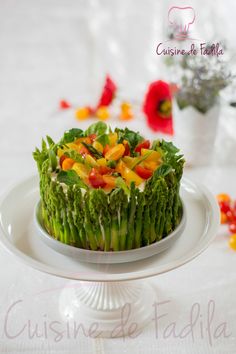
[[181, 18]]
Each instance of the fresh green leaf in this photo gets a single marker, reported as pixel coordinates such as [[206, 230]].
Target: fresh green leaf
[[103, 139], [71, 135], [70, 178], [74, 155], [98, 128], [169, 146], [97, 154], [132, 137]]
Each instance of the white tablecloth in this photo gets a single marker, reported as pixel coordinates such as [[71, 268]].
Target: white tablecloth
[[50, 50]]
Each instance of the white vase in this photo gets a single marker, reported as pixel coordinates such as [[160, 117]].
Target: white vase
[[195, 133]]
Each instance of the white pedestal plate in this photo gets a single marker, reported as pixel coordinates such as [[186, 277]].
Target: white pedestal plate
[[109, 299]]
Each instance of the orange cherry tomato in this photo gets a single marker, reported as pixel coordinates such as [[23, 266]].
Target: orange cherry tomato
[[62, 158], [223, 218], [67, 164], [96, 179], [223, 197], [143, 172], [144, 145]]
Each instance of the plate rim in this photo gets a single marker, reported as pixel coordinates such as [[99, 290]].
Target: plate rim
[[114, 277]]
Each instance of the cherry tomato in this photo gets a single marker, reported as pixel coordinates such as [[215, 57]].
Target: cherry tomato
[[223, 197], [224, 207], [143, 172], [92, 137], [106, 149], [127, 149], [103, 170], [84, 151], [96, 179], [232, 228], [223, 218], [144, 145], [230, 216], [232, 241], [62, 158]]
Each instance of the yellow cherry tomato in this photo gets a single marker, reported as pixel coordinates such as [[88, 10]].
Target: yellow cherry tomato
[[103, 113], [98, 146], [91, 161], [126, 111], [82, 113], [232, 242], [150, 165], [154, 156], [112, 139], [81, 170], [115, 153], [129, 160], [102, 162], [128, 174]]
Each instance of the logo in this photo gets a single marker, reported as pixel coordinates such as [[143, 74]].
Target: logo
[[181, 18], [180, 22]]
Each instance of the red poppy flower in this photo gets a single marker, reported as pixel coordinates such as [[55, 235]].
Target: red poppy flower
[[108, 92], [158, 107]]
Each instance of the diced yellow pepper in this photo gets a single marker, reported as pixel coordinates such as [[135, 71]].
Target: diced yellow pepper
[[102, 162], [98, 146], [91, 161], [128, 174], [154, 156], [81, 170], [112, 139], [115, 153]]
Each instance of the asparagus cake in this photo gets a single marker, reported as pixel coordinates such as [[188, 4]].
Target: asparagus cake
[[109, 190]]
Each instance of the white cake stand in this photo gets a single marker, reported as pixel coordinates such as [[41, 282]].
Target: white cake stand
[[110, 300]]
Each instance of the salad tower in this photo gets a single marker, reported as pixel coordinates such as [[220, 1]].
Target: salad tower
[[109, 190]]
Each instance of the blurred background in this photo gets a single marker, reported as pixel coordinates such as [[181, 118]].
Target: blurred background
[[54, 49]]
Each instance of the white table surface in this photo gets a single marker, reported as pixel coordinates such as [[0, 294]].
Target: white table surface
[[49, 51]]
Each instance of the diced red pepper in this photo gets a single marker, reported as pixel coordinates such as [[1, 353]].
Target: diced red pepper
[[96, 179], [143, 172], [144, 145]]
